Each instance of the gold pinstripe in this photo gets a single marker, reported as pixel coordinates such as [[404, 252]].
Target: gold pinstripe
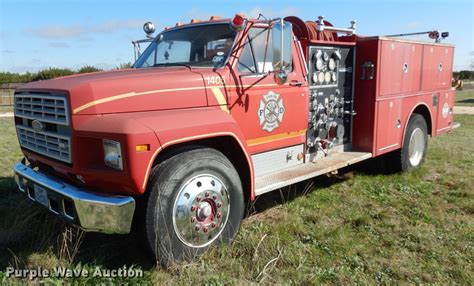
[[281, 136], [220, 98], [133, 94]]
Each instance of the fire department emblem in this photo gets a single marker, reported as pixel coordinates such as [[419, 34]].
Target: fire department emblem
[[271, 111]]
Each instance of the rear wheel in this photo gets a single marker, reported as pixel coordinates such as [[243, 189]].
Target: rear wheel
[[412, 154], [195, 201]]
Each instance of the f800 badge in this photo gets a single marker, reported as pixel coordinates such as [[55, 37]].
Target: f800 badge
[[271, 111]]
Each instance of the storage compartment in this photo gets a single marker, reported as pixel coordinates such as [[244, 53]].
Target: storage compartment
[[392, 78], [389, 125], [445, 111], [400, 67], [437, 67]]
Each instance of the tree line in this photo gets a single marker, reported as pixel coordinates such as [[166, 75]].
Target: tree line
[[49, 73], [463, 75], [8, 77]]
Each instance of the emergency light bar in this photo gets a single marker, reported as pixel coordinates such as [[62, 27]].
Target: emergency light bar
[[434, 34]]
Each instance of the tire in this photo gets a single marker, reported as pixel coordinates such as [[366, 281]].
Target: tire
[[195, 200], [415, 144]]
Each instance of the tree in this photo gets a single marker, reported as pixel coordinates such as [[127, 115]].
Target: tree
[[87, 69], [124, 66], [51, 73]]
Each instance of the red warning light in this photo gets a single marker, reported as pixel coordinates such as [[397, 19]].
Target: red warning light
[[238, 22]]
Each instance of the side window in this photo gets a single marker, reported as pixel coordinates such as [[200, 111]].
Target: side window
[[246, 63], [257, 56]]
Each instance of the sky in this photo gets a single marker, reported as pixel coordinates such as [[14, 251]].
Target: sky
[[38, 34]]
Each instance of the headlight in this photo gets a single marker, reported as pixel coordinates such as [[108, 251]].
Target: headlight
[[113, 154]]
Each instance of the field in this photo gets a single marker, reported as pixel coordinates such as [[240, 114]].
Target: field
[[465, 97], [356, 227]]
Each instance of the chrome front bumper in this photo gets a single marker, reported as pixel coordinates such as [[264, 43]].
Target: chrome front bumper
[[91, 211]]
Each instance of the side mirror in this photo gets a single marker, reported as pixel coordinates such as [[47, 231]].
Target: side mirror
[[282, 50]]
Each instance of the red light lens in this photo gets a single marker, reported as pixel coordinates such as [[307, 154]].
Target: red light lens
[[238, 21]]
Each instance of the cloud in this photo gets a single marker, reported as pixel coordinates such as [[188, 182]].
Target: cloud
[[8, 52], [270, 12], [71, 31], [58, 45]]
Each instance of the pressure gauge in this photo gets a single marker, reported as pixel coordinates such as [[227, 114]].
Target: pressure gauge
[[320, 77], [319, 64], [315, 77], [327, 77], [318, 54], [332, 64], [334, 77], [325, 56]]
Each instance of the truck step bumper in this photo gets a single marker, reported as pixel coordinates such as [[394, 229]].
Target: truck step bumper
[[91, 211]]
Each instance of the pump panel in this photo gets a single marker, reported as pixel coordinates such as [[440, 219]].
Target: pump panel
[[331, 96]]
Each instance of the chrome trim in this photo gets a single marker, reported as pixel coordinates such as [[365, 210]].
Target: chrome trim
[[51, 111], [92, 211], [42, 142], [201, 210], [388, 147], [22, 111]]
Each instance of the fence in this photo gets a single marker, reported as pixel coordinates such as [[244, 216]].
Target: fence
[[6, 93], [7, 90]]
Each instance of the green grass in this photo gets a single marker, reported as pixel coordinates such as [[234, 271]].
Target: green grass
[[414, 227], [4, 109], [465, 97]]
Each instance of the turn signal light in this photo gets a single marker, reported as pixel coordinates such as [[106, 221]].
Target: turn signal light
[[238, 22], [142, 147]]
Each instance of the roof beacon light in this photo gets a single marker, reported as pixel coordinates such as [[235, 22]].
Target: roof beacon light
[[239, 22]]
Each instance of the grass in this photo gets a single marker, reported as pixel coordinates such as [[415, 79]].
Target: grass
[[464, 97], [5, 109], [357, 227]]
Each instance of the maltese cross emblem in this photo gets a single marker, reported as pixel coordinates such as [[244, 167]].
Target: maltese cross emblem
[[271, 111]]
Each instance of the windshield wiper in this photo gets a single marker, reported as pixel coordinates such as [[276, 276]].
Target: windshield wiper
[[172, 64]]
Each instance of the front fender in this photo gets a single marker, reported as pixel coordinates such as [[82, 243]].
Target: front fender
[[187, 125], [89, 132]]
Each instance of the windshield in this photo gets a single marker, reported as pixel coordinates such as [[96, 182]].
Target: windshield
[[201, 46]]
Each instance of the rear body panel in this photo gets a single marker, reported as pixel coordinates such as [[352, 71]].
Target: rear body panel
[[406, 76]]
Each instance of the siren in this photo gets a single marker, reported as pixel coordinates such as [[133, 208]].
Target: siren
[[239, 22]]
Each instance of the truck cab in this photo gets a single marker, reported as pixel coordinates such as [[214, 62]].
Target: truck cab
[[214, 113]]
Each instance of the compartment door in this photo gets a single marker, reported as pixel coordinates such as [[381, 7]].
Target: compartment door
[[388, 125], [445, 111], [400, 67]]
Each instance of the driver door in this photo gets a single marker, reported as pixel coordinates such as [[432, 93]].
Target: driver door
[[271, 115]]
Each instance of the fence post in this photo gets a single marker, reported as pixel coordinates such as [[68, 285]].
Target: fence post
[[9, 93]]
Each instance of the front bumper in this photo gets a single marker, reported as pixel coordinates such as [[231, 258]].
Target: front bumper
[[91, 211]]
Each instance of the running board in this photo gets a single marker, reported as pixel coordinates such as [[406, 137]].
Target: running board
[[293, 175]]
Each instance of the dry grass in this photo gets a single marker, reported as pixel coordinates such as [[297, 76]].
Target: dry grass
[[356, 228]]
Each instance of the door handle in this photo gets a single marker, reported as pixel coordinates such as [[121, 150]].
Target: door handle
[[296, 83]]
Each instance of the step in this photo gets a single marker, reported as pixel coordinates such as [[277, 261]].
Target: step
[[333, 162]]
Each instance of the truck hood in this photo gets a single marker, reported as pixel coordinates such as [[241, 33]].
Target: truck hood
[[128, 90]]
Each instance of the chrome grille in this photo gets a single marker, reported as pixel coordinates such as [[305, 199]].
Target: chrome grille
[[50, 144], [43, 124], [46, 108]]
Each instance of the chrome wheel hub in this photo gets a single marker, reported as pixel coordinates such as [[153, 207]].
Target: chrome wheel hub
[[201, 210], [416, 147]]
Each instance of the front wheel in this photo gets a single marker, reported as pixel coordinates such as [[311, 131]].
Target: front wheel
[[196, 200]]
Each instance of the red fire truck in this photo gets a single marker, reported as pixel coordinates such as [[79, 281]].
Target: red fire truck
[[214, 113]]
